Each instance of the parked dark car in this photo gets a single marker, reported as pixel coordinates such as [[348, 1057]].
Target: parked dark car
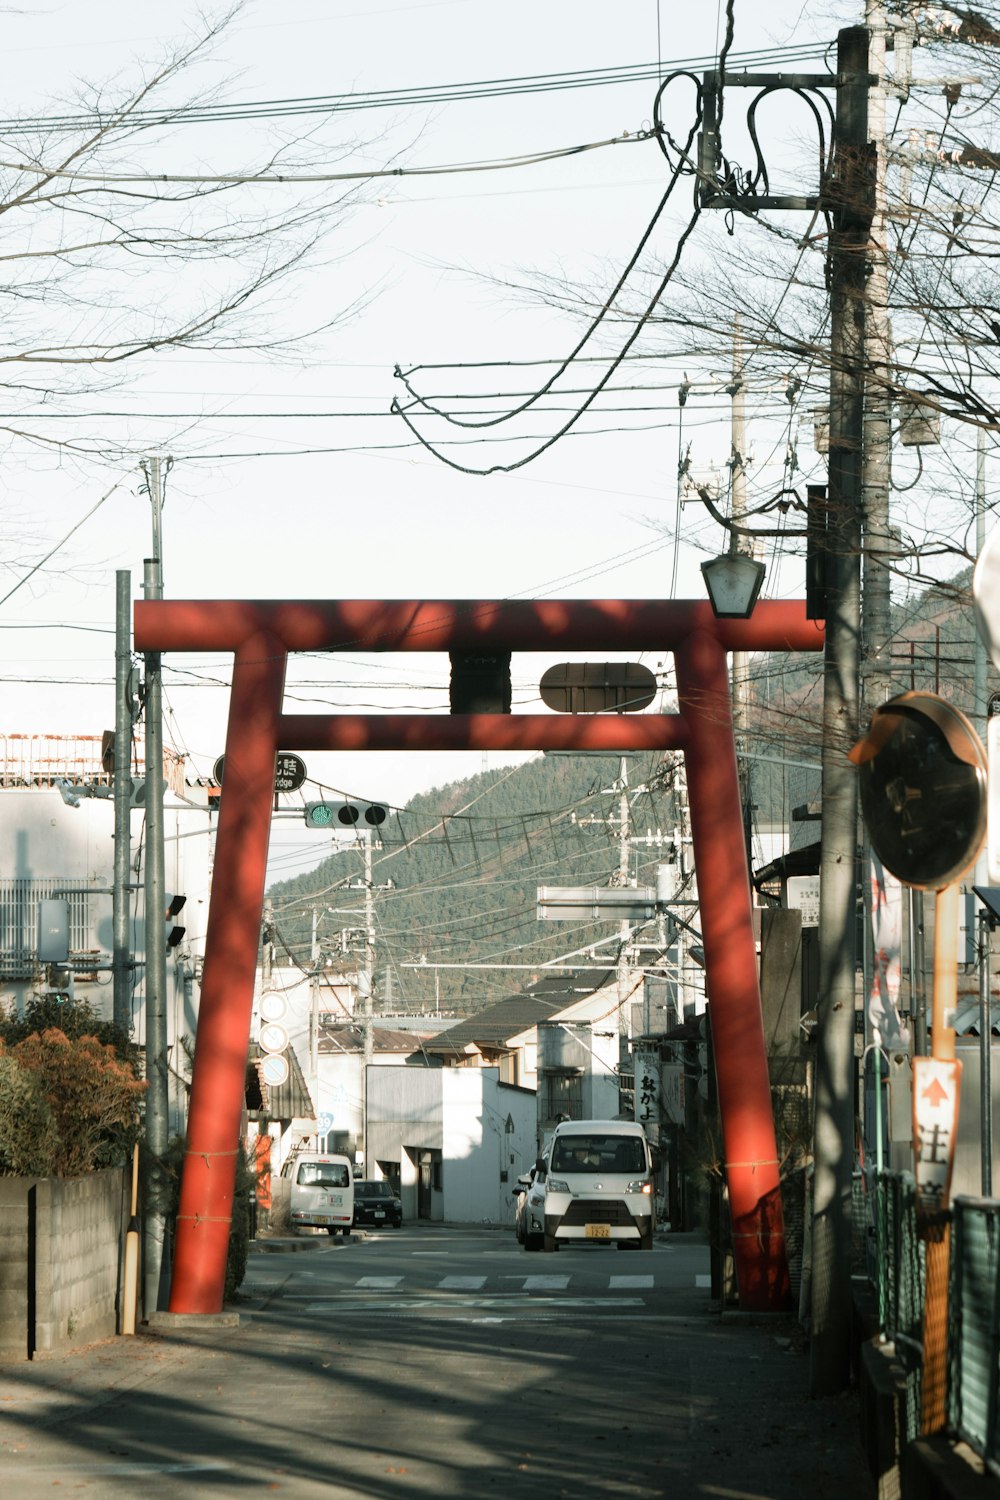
[[376, 1204]]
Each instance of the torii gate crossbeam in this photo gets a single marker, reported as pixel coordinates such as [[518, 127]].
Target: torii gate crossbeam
[[261, 634]]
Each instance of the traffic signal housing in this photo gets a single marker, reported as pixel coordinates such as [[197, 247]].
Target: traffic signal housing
[[346, 814], [174, 933]]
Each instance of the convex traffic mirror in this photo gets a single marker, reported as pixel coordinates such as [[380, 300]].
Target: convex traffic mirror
[[923, 789]]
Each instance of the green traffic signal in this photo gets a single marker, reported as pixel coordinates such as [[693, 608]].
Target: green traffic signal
[[345, 814]]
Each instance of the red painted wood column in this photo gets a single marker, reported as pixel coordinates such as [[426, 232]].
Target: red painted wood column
[[218, 1085], [749, 1143]]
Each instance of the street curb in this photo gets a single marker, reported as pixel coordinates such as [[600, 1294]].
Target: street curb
[[168, 1322], [279, 1246]]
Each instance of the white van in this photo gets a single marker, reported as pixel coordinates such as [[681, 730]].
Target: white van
[[598, 1185], [322, 1192]]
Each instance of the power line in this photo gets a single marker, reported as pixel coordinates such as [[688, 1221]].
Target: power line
[[335, 104]]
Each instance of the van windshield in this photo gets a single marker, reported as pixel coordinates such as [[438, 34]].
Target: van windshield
[[323, 1174], [598, 1153]]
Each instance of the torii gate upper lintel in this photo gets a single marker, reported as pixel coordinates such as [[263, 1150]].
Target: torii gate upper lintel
[[261, 634]]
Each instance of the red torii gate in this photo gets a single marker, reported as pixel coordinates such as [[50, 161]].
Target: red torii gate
[[262, 633]]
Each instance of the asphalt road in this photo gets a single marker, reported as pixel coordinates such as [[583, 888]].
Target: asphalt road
[[441, 1362]]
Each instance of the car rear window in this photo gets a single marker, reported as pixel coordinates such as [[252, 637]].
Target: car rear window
[[372, 1190], [323, 1174]]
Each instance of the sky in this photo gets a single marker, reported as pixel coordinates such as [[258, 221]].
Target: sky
[[290, 477]]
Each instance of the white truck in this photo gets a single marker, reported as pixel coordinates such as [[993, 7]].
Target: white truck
[[598, 1181]]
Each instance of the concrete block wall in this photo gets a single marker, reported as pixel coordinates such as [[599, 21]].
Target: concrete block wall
[[61, 1244], [14, 1279]]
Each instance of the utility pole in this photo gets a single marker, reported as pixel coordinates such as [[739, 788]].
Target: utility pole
[[368, 1021], [157, 1094], [850, 198], [625, 928], [876, 627], [740, 666], [121, 956]]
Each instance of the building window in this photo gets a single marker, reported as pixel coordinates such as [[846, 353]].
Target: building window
[[562, 1094]]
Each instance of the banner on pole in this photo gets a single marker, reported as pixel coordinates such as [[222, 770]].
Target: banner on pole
[[885, 1024]]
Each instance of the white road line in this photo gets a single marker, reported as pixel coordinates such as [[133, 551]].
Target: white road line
[[379, 1283], [462, 1283], [630, 1281], [545, 1283], [507, 1303]]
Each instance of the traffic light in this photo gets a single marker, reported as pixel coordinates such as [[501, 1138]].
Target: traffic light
[[346, 814], [174, 933]]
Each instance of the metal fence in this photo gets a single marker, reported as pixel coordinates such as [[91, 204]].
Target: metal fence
[[974, 1326], [886, 1205], [897, 1271]]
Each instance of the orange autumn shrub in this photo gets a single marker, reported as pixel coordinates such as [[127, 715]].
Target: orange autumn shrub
[[91, 1096]]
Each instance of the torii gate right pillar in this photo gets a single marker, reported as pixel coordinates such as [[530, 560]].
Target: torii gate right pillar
[[748, 1133]]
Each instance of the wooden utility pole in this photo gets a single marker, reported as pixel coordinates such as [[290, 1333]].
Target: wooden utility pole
[[738, 543], [876, 623], [850, 198]]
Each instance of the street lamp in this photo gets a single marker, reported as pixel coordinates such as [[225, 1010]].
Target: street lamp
[[733, 582]]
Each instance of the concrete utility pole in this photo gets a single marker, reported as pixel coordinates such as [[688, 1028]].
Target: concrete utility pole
[[157, 1094], [850, 198], [121, 955]]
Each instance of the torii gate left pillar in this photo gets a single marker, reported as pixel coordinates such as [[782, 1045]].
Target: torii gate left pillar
[[262, 634]]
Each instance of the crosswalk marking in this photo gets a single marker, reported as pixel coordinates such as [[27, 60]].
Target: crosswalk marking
[[525, 1284], [505, 1305]]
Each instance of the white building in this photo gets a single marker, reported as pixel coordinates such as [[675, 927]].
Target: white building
[[58, 845], [452, 1141]]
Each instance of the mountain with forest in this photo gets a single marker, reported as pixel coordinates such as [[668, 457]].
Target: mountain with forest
[[457, 873]]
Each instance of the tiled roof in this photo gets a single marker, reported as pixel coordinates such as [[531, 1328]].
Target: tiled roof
[[350, 1038], [493, 1026]]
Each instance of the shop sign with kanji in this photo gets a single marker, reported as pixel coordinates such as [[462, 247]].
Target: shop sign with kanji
[[647, 1090]]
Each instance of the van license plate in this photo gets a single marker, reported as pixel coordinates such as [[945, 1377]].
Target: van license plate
[[380, 1213], [598, 1231]]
